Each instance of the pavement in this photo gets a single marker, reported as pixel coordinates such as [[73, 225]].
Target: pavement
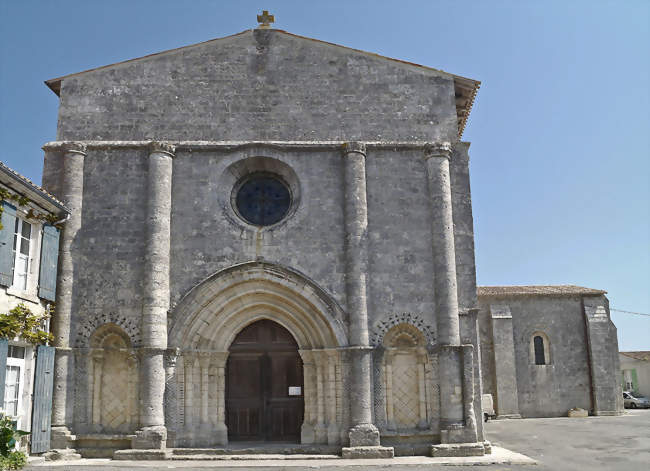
[[620, 443]]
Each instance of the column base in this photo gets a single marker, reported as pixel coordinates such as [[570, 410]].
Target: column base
[[445, 450], [333, 435], [367, 452], [307, 434], [219, 434], [458, 433], [61, 438], [150, 438], [608, 412], [508, 416], [364, 435], [320, 433], [66, 454], [364, 443]]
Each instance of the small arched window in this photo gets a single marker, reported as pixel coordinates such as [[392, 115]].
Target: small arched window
[[539, 349], [540, 359]]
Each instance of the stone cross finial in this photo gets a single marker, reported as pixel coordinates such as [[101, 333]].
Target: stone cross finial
[[265, 20]]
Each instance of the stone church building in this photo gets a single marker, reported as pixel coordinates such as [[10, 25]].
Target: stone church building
[[271, 239]]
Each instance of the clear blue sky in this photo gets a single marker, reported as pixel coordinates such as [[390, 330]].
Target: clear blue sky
[[560, 128]]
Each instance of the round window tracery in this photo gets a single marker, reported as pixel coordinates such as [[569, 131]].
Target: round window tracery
[[263, 199]]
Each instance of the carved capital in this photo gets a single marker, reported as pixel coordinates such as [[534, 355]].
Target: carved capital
[[219, 358], [151, 351], [161, 147], [437, 149], [204, 360], [354, 147], [132, 360], [307, 356], [171, 355], [74, 148]]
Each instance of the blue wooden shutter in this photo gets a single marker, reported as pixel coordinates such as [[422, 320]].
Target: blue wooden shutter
[[49, 259], [42, 402], [4, 347], [7, 244]]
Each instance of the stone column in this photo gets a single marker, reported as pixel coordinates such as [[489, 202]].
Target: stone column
[[188, 377], [364, 436], [450, 353], [98, 363], [220, 432], [390, 409], [204, 420], [171, 393], [333, 435], [156, 298], [423, 423], [63, 394], [307, 432], [320, 430]]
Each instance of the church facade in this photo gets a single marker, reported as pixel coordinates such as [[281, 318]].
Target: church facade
[[270, 239]]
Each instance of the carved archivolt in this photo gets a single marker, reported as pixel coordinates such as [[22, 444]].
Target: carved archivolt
[[93, 323], [379, 330]]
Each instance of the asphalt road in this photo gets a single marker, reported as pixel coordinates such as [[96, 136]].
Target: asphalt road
[[619, 443], [560, 444]]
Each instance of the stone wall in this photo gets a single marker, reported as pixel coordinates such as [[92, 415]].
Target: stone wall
[[207, 235], [259, 85], [301, 101], [567, 380]]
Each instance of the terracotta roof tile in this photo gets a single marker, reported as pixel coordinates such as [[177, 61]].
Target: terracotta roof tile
[[643, 356], [27, 182], [538, 290]]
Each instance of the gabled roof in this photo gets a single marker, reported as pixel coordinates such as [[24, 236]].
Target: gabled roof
[[25, 187], [643, 356], [538, 290], [465, 88]]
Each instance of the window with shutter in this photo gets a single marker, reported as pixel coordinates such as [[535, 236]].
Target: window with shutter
[[49, 260], [7, 256]]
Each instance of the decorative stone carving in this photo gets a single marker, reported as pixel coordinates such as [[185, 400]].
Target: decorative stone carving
[[161, 147], [379, 330], [91, 323], [354, 147], [437, 149], [74, 148]]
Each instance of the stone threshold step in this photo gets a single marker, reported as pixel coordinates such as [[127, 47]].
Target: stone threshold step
[[261, 450], [254, 457]]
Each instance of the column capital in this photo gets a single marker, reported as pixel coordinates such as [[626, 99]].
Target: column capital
[[171, 355], [161, 147], [151, 351], [73, 147], [437, 149], [354, 147]]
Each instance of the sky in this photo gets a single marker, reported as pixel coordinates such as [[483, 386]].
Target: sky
[[560, 128]]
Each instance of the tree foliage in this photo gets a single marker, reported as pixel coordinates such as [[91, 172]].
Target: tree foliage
[[22, 322], [10, 458]]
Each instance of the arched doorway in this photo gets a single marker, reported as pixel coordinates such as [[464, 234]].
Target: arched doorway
[[264, 385]]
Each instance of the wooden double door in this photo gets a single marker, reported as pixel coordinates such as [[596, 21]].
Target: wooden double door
[[264, 385]]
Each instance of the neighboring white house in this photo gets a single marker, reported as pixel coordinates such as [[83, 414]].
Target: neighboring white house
[[29, 241], [635, 372]]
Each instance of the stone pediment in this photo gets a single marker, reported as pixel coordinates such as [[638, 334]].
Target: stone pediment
[[264, 84]]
